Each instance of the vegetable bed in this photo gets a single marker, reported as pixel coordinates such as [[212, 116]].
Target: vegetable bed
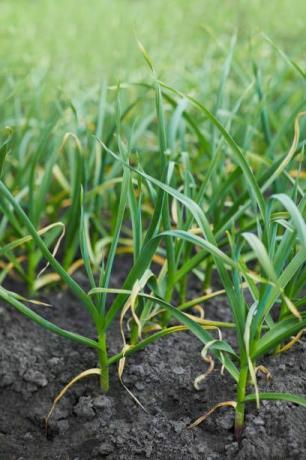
[[89, 425], [152, 231]]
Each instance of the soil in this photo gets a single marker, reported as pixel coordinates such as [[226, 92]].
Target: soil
[[86, 424]]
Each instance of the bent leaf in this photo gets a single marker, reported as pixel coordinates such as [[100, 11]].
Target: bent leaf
[[269, 396]]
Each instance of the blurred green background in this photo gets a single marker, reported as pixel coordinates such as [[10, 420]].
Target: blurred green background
[[79, 42]]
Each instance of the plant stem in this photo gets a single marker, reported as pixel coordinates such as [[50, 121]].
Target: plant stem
[[208, 276], [240, 408], [31, 269], [104, 365]]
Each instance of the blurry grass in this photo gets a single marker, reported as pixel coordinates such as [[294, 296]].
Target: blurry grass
[[81, 42]]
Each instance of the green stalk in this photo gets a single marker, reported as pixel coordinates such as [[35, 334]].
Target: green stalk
[[241, 392], [165, 217], [31, 268], [208, 275], [104, 364]]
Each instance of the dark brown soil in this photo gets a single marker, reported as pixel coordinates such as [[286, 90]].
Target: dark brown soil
[[86, 424]]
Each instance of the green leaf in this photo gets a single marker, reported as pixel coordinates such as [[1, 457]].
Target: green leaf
[[4, 148], [297, 217], [269, 396], [277, 334], [197, 241], [285, 57], [85, 241], [145, 55], [272, 294], [105, 277], [26, 311], [261, 254]]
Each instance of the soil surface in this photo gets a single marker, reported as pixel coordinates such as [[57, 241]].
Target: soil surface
[[35, 365]]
